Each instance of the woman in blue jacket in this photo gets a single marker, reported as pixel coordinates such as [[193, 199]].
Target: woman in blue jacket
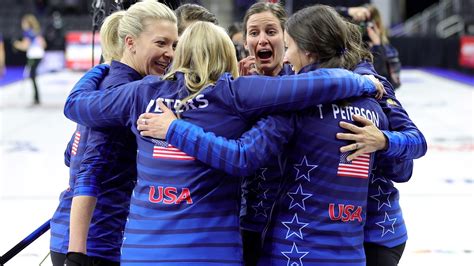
[[183, 211], [91, 215]]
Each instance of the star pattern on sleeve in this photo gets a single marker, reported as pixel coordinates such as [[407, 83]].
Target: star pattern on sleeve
[[387, 225]]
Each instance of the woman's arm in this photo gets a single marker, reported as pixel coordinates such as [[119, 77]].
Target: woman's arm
[[101, 153], [91, 107], [82, 209], [255, 96], [404, 140], [239, 157], [22, 45]]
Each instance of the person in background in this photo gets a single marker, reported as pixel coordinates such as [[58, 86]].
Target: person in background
[[91, 216], [189, 13], [34, 45], [386, 58], [357, 13], [2, 57], [236, 34]]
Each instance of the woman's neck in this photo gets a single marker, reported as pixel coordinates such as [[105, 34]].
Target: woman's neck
[[128, 60]]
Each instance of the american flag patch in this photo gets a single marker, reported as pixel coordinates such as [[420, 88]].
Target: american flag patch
[[75, 143], [163, 150], [358, 167]]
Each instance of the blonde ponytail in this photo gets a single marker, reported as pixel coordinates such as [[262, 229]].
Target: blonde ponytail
[[132, 23], [112, 45]]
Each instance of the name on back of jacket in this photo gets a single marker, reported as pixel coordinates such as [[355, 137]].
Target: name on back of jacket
[[346, 112], [176, 104]]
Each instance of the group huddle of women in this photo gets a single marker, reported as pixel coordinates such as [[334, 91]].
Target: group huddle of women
[[263, 169]]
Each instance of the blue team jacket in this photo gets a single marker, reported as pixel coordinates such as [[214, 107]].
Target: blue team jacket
[[101, 164], [183, 211], [256, 147]]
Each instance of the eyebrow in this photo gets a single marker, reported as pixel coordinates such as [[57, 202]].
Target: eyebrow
[[256, 25], [162, 37]]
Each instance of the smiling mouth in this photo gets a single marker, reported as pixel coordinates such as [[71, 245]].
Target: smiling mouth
[[161, 65], [264, 54]]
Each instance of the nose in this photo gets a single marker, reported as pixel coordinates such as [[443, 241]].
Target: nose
[[262, 40], [169, 52]]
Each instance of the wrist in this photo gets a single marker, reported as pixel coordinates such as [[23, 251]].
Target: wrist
[[384, 144]]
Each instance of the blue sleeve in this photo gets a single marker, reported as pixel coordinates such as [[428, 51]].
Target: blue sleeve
[[395, 170], [405, 140], [67, 153], [100, 108], [93, 164], [254, 96], [240, 157]]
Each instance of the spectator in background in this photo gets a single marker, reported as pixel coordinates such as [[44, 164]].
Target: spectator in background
[[236, 34], [34, 44], [2, 56], [386, 61], [190, 13], [385, 55]]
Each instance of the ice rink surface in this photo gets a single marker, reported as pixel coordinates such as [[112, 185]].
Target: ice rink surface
[[437, 202]]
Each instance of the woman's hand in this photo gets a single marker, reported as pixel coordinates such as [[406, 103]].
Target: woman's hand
[[156, 125], [374, 34], [368, 138], [380, 90], [359, 14], [248, 66]]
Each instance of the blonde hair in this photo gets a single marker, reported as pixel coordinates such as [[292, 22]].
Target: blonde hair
[[131, 22], [32, 22], [191, 12], [377, 19], [204, 52]]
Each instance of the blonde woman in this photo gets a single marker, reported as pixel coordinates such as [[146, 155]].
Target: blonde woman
[[34, 44], [183, 212], [90, 219]]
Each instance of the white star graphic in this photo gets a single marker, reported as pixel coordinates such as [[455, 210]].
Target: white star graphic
[[389, 222], [382, 198], [260, 209], [294, 256], [298, 198], [305, 168], [260, 191], [378, 177], [295, 224]]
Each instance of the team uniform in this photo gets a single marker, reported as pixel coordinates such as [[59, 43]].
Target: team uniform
[[255, 147], [102, 164], [260, 190], [385, 226], [183, 211]]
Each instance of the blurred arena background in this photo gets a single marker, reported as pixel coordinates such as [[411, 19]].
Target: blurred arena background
[[435, 40]]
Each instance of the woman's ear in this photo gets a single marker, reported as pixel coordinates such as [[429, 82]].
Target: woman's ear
[[311, 56], [130, 44]]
